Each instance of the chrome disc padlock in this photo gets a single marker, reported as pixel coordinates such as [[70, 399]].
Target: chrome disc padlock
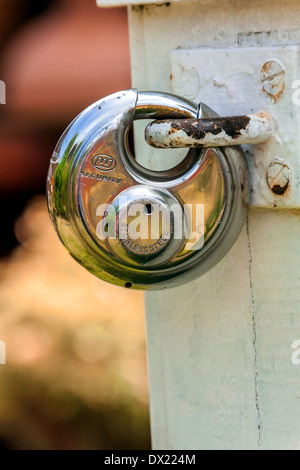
[[132, 226]]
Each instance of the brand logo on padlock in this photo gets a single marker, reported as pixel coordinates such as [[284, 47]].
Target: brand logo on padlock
[[104, 162]]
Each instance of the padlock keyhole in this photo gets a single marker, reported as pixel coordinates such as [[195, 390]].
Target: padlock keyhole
[[148, 209]]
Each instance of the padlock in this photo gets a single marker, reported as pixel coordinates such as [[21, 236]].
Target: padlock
[[135, 227]]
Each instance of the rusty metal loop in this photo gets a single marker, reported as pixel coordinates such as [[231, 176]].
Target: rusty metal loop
[[212, 132]]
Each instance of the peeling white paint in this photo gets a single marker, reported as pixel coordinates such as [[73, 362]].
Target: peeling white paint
[[162, 135]]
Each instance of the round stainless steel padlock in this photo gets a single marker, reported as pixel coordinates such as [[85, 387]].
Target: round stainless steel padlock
[[132, 226]]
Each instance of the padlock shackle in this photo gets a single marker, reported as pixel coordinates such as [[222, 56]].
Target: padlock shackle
[[159, 105]]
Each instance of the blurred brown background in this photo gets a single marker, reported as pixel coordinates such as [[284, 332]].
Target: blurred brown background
[[75, 376]]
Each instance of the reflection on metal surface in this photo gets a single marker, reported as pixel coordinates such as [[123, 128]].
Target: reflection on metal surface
[[93, 170]]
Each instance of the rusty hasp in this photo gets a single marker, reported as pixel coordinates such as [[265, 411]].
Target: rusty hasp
[[213, 132]]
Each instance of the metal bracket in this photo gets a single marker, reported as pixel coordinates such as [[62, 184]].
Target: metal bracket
[[214, 132], [241, 81]]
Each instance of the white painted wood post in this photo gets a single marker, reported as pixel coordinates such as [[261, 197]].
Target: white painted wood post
[[220, 348]]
